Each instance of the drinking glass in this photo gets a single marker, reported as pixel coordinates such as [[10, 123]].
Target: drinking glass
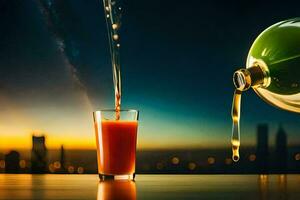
[[116, 139]]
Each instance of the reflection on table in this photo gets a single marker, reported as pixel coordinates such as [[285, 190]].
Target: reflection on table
[[264, 190], [150, 187], [114, 190]]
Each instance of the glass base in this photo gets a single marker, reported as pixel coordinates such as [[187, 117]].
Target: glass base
[[104, 177]]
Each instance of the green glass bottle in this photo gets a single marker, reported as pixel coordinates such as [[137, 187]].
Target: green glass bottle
[[273, 66]]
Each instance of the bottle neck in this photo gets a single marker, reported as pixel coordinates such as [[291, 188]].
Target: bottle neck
[[255, 76]]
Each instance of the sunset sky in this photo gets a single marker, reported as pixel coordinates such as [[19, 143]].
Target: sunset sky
[[177, 61]]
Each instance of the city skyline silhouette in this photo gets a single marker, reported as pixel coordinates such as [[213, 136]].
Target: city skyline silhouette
[[261, 158]]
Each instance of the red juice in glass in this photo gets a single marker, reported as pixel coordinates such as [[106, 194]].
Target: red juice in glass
[[116, 147]]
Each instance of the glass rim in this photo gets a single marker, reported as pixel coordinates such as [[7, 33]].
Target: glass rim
[[114, 110]]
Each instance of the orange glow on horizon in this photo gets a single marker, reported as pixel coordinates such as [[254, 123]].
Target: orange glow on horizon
[[87, 141], [25, 142]]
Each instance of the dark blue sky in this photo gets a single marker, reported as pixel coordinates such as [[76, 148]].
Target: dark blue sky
[[177, 61]]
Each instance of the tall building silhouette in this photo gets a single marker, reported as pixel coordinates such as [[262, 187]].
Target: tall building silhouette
[[62, 158], [262, 150], [281, 150], [12, 160], [38, 155]]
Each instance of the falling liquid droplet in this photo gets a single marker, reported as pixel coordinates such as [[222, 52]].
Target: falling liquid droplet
[[106, 8], [107, 16], [118, 45], [115, 26], [235, 150], [120, 8], [235, 158], [115, 37]]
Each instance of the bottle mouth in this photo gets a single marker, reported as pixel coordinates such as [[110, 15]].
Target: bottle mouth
[[255, 76], [242, 79]]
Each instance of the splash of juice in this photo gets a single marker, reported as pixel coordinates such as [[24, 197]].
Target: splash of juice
[[112, 10], [235, 114]]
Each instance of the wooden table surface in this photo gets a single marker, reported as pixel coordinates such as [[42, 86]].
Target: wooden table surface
[[156, 187]]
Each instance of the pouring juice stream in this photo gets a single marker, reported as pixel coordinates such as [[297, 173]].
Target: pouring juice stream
[[235, 114], [112, 12]]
